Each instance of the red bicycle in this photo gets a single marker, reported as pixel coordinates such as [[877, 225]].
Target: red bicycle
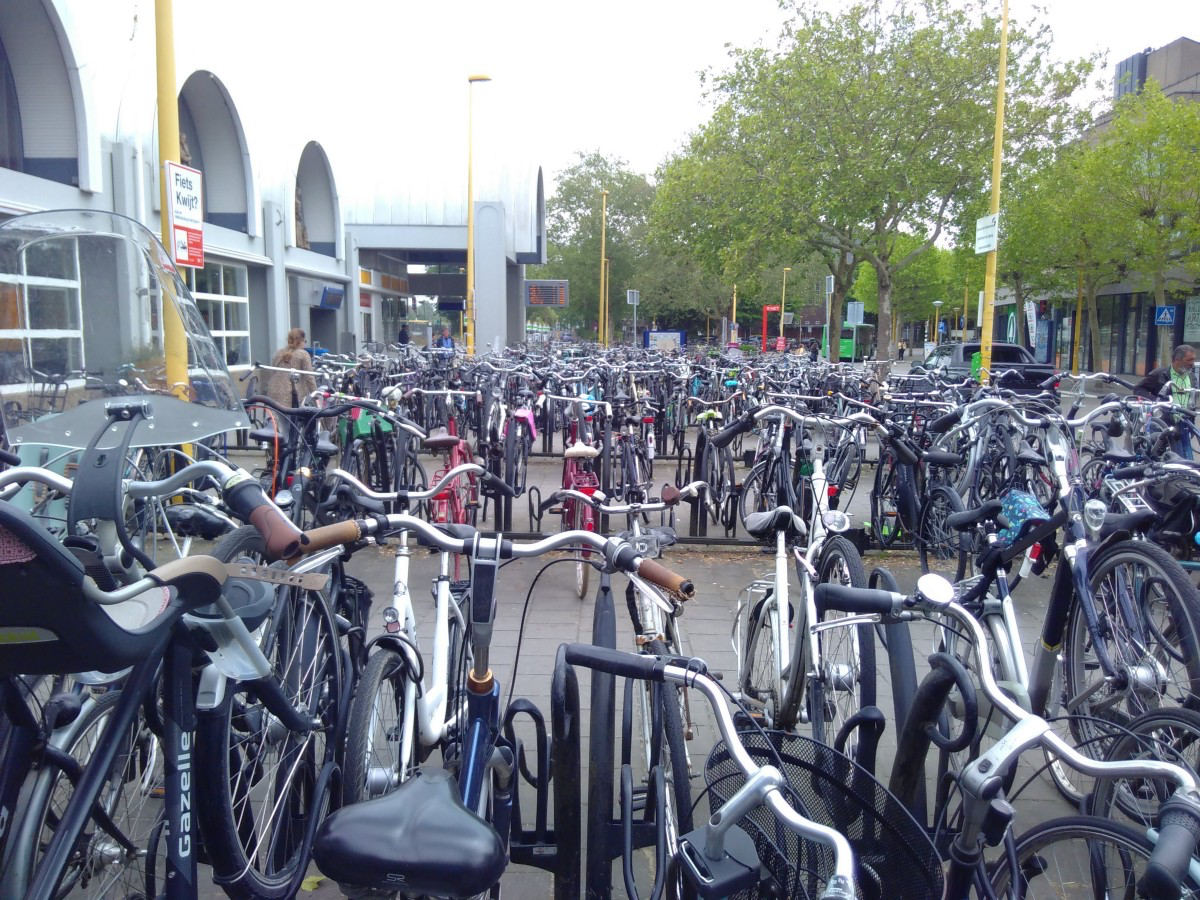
[[579, 462]]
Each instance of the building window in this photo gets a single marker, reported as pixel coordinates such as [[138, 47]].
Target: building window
[[221, 293], [41, 315]]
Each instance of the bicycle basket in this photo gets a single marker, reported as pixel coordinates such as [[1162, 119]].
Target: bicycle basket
[[894, 857], [1023, 511]]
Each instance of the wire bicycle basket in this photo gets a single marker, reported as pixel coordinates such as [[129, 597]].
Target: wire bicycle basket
[[894, 858]]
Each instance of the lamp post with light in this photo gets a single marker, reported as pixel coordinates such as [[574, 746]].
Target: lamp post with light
[[937, 322], [470, 318]]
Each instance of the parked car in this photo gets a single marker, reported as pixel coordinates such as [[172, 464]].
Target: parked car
[[952, 360]]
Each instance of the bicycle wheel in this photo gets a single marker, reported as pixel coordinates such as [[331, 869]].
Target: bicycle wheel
[[846, 679], [582, 520], [762, 677], [1077, 856], [132, 797], [375, 730], [760, 490], [674, 751], [885, 501], [942, 549], [257, 812], [1169, 735], [1148, 610]]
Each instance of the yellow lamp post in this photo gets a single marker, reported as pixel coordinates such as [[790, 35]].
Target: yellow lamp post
[[602, 324], [987, 325], [469, 322], [783, 299]]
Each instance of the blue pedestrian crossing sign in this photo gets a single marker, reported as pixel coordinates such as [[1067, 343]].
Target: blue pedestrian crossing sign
[[1164, 315]]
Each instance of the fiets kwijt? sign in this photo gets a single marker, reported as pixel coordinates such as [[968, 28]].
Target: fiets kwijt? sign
[[185, 212]]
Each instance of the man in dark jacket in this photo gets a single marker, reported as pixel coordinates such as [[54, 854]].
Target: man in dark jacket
[[1179, 373], [403, 341]]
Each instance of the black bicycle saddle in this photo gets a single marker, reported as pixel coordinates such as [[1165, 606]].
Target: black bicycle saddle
[[420, 839]]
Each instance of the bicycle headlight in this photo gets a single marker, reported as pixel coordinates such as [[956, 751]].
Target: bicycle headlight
[[835, 520], [1093, 517], [284, 499]]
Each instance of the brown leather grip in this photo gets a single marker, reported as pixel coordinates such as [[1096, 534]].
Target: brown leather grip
[[331, 535], [670, 494], [282, 536], [656, 573]]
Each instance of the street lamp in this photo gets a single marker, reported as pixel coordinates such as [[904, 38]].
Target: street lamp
[[783, 299], [937, 323], [602, 324], [470, 319]]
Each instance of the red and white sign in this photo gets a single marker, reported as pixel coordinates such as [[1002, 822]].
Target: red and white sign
[[185, 211], [780, 344]]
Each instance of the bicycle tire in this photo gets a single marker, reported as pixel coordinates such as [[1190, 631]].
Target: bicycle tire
[[762, 679], [847, 654], [941, 549], [1037, 859], [234, 741], [760, 490], [1172, 646], [679, 775], [95, 870], [885, 501], [1172, 735], [581, 515], [375, 730]]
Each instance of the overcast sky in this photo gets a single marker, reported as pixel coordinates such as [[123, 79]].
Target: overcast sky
[[619, 76]]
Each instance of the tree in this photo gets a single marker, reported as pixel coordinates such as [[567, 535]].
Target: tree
[[573, 219], [866, 125], [1147, 190]]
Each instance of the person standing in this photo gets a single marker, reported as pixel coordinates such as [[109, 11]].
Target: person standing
[[445, 342], [1178, 373], [281, 384], [402, 340]]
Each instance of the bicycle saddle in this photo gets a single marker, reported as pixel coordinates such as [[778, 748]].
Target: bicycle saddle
[[580, 450], [420, 839], [765, 524], [1132, 522], [1119, 455], [440, 439]]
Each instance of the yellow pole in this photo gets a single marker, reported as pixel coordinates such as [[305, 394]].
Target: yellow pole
[[1078, 323], [607, 301], [468, 321], [174, 338], [783, 299], [964, 328], [601, 326], [989, 278]]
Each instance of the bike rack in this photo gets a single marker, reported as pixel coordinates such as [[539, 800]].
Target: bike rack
[[533, 496]]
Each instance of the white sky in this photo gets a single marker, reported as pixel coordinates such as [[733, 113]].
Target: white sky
[[618, 76]]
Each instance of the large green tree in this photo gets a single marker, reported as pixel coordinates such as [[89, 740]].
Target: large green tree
[[868, 124]]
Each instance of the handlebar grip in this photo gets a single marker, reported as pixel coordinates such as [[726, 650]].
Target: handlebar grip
[[725, 436], [615, 662], [1172, 854], [249, 503], [944, 423], [499, 484], [9, 459], [1049, 384], [1126, 472], [331, 535], [656, 573], [853, 600], [1128, 385]]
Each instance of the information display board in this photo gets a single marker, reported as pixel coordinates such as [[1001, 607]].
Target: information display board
[[547, 292]]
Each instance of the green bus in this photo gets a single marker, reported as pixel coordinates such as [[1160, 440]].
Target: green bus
[[858, 342]]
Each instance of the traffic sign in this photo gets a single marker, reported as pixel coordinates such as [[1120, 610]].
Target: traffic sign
[[185, 214], [780, 344], [986, 231], [771, 307], [1164, 315], [632, 297]]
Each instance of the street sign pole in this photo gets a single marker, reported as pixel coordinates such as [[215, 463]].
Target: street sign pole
[[989, 279]]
